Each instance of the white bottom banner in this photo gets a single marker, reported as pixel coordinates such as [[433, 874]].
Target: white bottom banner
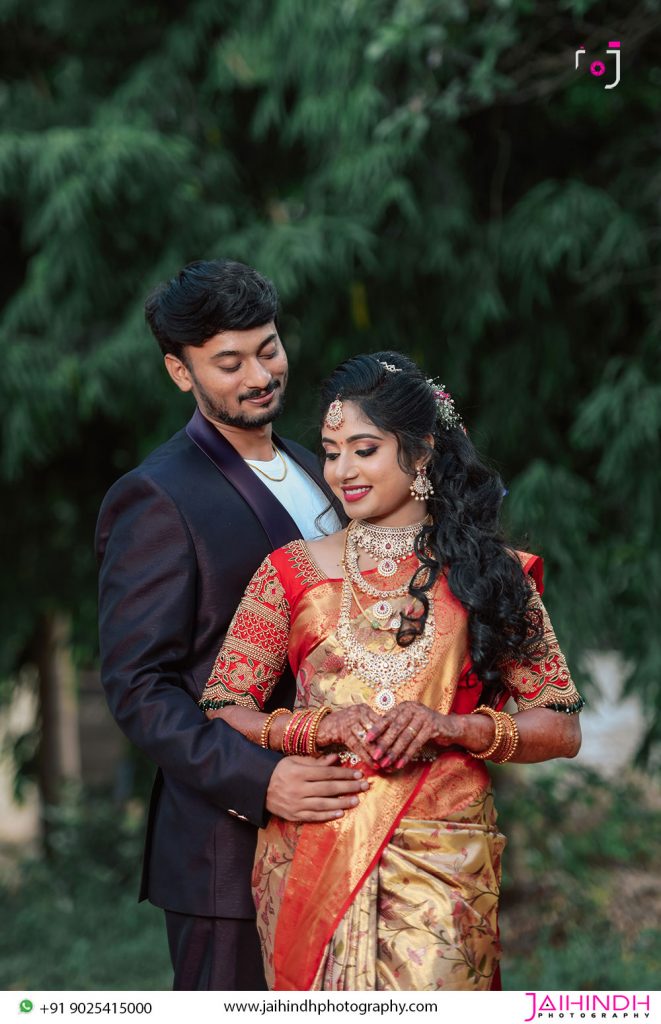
[[331, 1007]]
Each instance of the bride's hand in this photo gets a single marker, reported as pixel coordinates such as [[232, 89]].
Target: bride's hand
[[349, 727], [404, 731]]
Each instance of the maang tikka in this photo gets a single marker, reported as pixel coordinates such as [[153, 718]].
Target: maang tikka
[[421, 488], [335, 415]]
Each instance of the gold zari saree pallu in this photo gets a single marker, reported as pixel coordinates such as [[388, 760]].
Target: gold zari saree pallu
[[402, 891]]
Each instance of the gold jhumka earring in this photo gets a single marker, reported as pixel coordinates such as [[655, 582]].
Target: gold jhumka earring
[[421, 488]]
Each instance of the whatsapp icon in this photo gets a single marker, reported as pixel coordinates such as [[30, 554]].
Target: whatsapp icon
[[25, 1006]]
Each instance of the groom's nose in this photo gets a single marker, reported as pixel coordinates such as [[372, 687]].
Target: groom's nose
[[257, 376]]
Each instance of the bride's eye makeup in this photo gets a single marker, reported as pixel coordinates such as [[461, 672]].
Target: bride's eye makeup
[[363, 452]]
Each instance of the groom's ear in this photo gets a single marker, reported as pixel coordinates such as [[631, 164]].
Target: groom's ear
[[179, 372]]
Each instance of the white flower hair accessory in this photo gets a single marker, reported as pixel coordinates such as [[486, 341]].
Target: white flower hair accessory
[[446, 413]]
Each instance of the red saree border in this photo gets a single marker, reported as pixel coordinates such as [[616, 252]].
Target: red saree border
[[295, 967], [332, 861]]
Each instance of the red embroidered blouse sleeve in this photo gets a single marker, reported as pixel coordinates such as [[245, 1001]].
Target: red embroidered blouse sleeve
[[541, 681], [254, 654]]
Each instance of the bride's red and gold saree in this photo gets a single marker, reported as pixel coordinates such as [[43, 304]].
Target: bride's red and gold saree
[[402, 891]]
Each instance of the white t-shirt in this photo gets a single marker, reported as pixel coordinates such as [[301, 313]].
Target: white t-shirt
[[300, 495]]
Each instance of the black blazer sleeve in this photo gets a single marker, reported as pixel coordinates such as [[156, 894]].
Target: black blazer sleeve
[[147, 601]]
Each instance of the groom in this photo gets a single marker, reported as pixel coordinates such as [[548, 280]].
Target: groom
[[178, 539]]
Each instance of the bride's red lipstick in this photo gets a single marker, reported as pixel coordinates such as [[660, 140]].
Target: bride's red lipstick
[[355, 493]]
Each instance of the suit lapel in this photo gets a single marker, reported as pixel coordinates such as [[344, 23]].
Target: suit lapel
[[276, 522]]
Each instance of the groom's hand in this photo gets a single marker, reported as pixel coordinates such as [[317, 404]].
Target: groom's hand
[[313, 789]]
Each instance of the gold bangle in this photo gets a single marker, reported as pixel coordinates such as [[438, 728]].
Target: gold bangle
[[512, 740], [266, 728], [312, 748], [498, 736]]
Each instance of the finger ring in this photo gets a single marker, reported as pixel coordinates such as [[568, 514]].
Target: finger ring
[[411, 729], [360, 734]]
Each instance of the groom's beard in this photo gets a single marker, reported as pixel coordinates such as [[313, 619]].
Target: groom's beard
[[213, 409]]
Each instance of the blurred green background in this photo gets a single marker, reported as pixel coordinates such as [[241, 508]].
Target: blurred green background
[[429, 176]]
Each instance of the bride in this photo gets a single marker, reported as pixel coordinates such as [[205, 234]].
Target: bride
[[407, 632]]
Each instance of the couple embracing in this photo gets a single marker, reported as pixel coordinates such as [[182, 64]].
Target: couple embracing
[[317, 660]]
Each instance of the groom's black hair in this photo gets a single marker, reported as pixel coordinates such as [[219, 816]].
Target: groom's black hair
[[205, 298]]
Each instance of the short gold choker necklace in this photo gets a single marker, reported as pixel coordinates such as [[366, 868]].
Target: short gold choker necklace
[[387, 545], [277, 455]]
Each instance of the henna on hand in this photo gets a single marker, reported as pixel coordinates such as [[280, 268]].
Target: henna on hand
[[349, 727]]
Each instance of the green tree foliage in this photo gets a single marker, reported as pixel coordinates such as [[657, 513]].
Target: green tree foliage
[[429, 175]]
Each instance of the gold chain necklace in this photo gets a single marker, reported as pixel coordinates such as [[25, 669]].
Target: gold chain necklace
[[275, 479], [381, 611]]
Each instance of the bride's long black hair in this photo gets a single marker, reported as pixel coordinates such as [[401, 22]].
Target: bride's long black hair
[[464, 538]]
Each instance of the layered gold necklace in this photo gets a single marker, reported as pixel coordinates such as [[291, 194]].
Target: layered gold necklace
[[385, 671]]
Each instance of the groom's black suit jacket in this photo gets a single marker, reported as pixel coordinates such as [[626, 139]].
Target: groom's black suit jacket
[[177, 543]]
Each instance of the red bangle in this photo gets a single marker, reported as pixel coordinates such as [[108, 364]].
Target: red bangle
[[305, 733], [298, 729], [287, 734]]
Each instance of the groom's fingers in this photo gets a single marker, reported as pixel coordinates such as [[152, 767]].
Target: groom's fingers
[[301, 789], [322, 770]]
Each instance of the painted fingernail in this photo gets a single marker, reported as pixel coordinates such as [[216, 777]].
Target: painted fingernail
[[357, 775], [401, 762], [378, 753], [353, 801], [364, 785], [385, 762], [338, 814]]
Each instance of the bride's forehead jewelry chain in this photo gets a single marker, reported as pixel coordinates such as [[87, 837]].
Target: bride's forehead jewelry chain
[[335, 414]]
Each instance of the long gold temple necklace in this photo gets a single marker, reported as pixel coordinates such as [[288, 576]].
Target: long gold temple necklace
[[383, 672]]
